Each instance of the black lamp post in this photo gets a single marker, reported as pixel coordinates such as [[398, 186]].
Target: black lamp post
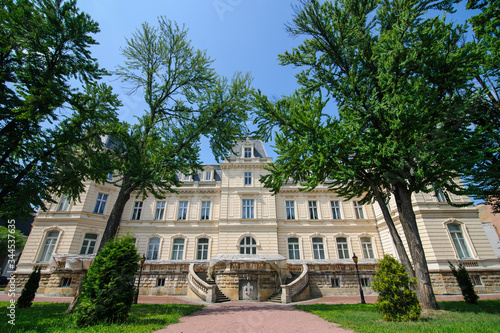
[[355, 259], [143, 259]]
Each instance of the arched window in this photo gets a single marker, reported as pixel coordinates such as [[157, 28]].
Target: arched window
[[342, 248], [318, 248], [48, 246], [248, 246], [459, 241], [293, 248], [89, 243], [366, 245], [153, 249], [202, 252], [178, 249]]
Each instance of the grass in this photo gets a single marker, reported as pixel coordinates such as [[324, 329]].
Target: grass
[[50, 317], [452, 317]]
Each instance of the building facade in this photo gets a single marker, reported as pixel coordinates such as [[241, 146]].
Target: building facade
[[225, 236]]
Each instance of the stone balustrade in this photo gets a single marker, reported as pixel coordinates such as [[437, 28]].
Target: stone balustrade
[[202, 289], [295, 287]]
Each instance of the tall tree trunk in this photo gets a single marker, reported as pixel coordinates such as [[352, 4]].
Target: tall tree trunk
[[116, 213], [403, 256], [425, 293]]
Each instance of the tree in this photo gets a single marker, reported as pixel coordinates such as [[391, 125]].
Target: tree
[[108, 291], [29, 290], [484, 176], [398, 79], [52, 108], [396, 299], [185, 100], [465, 283]]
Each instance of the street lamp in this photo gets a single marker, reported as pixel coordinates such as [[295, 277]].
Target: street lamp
[[143, 259], [355, 259]]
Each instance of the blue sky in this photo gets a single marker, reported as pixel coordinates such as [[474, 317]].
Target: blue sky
[[241, 35]]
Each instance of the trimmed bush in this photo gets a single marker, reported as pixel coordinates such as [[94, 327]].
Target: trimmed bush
[[396, 300], [107, 291], [29, 289], [465, 283]]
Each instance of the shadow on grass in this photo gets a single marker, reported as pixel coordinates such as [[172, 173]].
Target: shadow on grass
[[483, 306]]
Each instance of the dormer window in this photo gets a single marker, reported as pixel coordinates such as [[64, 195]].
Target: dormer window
[[208, 175], [247, 152], [186, 178]]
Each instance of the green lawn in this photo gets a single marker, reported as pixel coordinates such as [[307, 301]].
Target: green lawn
[[50, 317], [452, 317]]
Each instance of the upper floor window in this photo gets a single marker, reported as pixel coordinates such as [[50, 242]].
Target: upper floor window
[[358, 210], [290, 210], [153, 249], [100, 203], [208, 175], [136, 212], [205, 210], [293, 248], [248, 206], [459, 241], [440, 195], [109, 176], [247, 152], [202, 251], [336, 210], [318, 249], [366, 245], [248, 246], [183, 209], [248, 178], [313, 210], [48, 246], [342, 248], [89, 242], [178, 249], [160, 210], [63, 204]]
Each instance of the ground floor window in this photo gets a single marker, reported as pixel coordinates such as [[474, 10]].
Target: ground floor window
[[342, 248], [65, 282], [248, 245], [293, 248], [178, 249], [160, 282], [153, 249], [318, 249], [202, 253]]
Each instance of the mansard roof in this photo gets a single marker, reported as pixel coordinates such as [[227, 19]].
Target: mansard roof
[[258, 148]]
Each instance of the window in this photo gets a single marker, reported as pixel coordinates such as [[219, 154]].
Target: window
[[366, 245], [160, 210], [290, 210], [293, 248], [248, 246], [110, 176], [248, 178], [440, 195], [89, 242], [178, 249], [459, 241], [187, 178], [318, 249], [160, 282], [183, 210], [202, 253], [63, 204], [476, 280], [65, 282], [313, 210], [358, 210], [205, 210], [208, 175], [48, 246], [248, 152], [365, 282], [136, 213], [336, 210], [247, 209], [153, 249], [335, 282], [342, 248], [100, 203]]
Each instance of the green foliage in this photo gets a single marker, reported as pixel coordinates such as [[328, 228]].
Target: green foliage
[[396, 298], [144, 318], [108, 292], [4, 240], [465, 283], [29, 290], [52, 110]]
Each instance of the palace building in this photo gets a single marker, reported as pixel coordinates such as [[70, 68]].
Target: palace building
[[224, 236]]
